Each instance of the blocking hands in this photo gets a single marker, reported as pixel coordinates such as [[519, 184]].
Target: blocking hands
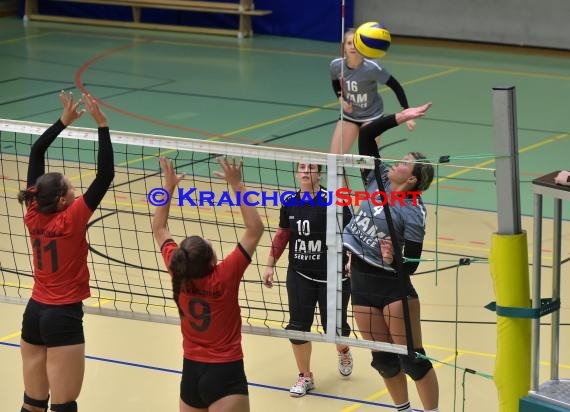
[[231, 171], [71, 111], [171, 179], [93, 108]]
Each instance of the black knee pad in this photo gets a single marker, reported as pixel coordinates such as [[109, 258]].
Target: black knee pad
[[416, 367], [35, 402], [387, 364], [300, 328], [64, 407]]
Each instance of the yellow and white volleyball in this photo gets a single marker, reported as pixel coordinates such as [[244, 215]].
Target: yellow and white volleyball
[[372, 40]]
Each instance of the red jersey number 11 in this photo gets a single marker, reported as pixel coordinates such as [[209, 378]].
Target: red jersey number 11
[[51, 249]]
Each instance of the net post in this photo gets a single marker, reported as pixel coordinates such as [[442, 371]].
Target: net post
[[507, 160], [509, 258], [334, 251]]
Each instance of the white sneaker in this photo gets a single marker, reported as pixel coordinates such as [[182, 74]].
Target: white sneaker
[[345, 363], [303, 385]]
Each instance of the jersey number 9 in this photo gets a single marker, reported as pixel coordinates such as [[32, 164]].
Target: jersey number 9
[[201, 314]]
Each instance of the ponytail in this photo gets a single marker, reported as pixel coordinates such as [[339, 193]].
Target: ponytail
[[192, 260], [26, 196], [47, 191]]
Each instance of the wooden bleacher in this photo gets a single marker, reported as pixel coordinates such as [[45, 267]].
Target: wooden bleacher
[[243, 8]]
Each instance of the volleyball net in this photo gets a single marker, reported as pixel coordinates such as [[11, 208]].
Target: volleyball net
[[128, 275]]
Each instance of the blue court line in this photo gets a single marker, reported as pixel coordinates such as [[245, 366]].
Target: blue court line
[[257, 385]]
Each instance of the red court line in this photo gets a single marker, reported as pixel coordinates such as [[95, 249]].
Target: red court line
[[79, 83]]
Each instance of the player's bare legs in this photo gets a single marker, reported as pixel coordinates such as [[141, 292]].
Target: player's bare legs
[[344, 135], [231, 403], [65, 369], [427, 387], [303, 357], [36, 384]]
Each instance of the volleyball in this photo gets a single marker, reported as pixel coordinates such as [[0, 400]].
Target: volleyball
[[372, 40]]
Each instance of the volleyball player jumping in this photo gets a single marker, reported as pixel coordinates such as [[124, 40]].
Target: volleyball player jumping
[[52, 342], [206, 294], [357, 91]]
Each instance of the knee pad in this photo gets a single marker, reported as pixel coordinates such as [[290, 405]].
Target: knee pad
[[35, 402], [300, 328], [416, 367], [64, 407], [387, 364]]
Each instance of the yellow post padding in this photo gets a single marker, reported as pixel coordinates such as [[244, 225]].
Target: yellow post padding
[[509, 269]]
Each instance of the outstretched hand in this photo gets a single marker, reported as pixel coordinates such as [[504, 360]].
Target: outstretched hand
[[411, 113], [171, 179], [94, 110], [70, 108], [232, 171]]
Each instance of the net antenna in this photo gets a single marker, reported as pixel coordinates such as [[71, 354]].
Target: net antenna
[[342, 39]]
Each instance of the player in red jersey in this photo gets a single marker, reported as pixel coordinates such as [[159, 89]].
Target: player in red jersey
[[53, 343], [206, 293]]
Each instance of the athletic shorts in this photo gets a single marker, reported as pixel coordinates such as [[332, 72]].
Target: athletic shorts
[[375, 287], [303, 295], [53, 325], [205, 383], [356, 122], [359, 123]]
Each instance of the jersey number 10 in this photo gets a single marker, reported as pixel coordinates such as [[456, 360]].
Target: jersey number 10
[[304, 227]]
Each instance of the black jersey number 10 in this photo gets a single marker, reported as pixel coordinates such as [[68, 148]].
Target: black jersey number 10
[[304, 227], [50, 248]]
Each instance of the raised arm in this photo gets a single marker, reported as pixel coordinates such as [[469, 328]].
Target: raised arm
[[105, 160], [253, 224], [366, 139], [36, 167], [160, 219]]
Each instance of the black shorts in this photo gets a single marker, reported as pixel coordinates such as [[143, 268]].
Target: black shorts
[[53, 325], [356, 122], [303, 295], [375, 287], [203, 384]]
